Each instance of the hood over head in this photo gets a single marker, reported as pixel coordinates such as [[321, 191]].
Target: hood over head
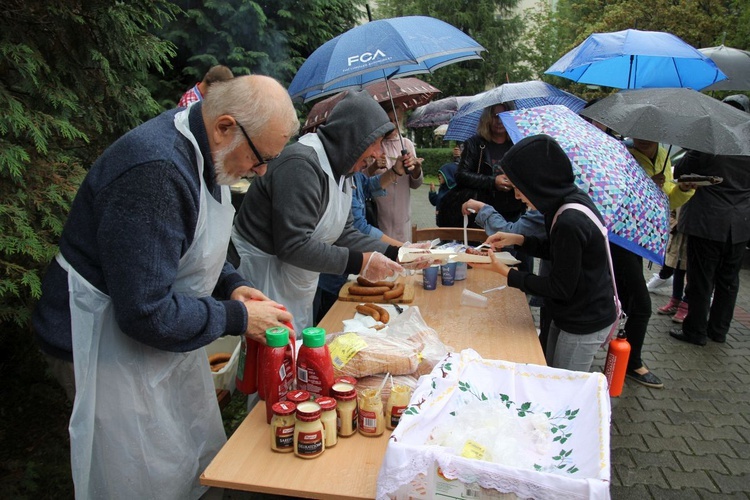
[[541, 170], [449, 174], [354, 124], [739, 101]]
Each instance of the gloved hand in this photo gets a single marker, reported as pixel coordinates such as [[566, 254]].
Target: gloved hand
[[425, 261], [379, 267], [424, 245]]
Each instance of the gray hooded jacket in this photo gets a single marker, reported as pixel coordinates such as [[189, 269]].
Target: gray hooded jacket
[[282, 208]]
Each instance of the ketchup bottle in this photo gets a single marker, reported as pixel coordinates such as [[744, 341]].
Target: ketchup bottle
[[249, 378], [246, 380], [277, 367], [617, 363], [314, 366]]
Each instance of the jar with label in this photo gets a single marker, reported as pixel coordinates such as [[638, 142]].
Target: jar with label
[[346, 379], [328, 417], [347, 415], [282, 427], [314, 365], [371, 418], [309, 440], [296, 396], [398, 400]]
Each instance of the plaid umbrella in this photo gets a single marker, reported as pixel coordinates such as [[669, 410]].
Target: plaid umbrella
[[635, 210]]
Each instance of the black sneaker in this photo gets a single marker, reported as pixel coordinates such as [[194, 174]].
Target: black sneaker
[[648, 379]]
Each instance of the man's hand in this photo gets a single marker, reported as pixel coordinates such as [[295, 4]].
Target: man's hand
[[245, 293], [262, 315]]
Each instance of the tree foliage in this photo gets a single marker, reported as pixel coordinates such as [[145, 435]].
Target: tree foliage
[[72, 79], [490, 22], [271, 38]]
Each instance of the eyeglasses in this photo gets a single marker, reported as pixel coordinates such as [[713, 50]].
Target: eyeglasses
[[261, 159]]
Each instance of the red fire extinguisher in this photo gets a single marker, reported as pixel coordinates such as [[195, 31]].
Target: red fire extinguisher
[[617, 363]]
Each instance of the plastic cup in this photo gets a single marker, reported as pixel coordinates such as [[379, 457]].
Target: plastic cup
[[461, 268], [448, 273], [429, 277], [469, 298]]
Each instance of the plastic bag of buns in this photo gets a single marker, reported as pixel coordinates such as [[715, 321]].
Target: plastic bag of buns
[[362, 354], [408, 347]]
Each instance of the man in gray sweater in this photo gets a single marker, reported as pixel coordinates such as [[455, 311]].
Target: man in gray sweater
[[295, 222]]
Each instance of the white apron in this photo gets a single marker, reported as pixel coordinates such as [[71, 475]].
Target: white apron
[[290, 285], [145, 422]]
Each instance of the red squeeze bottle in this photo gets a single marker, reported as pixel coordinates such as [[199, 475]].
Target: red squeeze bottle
[[292, 340], [277, 367], [617, 363], [246, 380], [314, 366]]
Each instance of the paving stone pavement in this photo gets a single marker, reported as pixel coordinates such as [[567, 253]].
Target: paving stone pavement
[[689, 440]]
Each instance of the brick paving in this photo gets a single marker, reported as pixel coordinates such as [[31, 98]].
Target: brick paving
[[691, 439]]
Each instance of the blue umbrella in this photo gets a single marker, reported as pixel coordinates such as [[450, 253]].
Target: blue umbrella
[[633, 59], [523, 94], [635, 210], [381, 49]]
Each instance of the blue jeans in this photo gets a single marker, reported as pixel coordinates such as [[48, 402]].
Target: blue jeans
[[572, 351]]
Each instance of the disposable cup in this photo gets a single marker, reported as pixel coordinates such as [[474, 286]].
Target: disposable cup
[[469, 298], [429, 277], [461, 268], [448, 273]]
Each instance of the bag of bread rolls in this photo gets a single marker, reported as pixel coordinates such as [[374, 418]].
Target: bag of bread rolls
[[408, 347], [362, 354]]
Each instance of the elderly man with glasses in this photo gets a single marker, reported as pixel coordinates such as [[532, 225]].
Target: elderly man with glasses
[[141, 285], [296, 221]]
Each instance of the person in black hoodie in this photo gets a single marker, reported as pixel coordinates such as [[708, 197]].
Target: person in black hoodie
[[578, 290]]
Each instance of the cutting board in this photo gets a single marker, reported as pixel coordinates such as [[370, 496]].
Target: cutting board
[[406, 298]]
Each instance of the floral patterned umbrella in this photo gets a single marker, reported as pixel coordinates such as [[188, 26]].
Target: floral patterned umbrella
[[635, 210]]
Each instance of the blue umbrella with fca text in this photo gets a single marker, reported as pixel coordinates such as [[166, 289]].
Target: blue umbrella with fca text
[[377, 50], [633, 59]]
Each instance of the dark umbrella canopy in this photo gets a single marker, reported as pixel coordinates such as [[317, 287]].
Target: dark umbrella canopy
[[407, 93], [681, 117], [436, 113], [735, 63]]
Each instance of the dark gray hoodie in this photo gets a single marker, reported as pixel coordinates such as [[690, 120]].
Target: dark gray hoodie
[[282, 208]]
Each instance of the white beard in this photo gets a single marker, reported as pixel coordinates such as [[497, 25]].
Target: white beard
[[222, 177]]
